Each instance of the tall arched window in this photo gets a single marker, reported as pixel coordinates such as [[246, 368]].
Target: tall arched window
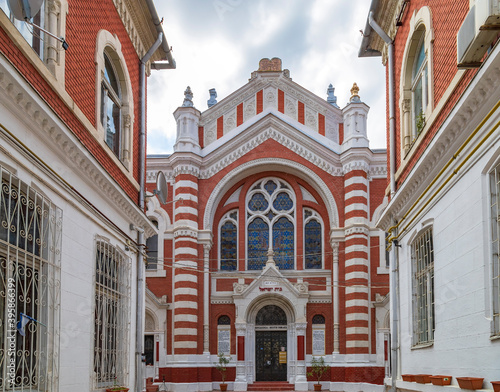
[[313, 234], [419, 88], [114, 99], [229, 242], [270, 209], [416, 85], [111, 104]]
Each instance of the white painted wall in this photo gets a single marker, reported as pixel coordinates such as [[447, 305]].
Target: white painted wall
[[462, 263]]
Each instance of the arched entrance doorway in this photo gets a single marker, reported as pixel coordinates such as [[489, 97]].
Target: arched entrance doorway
[[271, 344]]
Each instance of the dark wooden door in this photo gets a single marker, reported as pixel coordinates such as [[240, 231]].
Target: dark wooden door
[[268, 345]]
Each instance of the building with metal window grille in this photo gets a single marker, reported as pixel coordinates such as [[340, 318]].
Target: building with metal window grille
[[267, 251], [443, 93], [72, 224]]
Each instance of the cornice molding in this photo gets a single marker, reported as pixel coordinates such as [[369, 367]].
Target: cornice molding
[[138, 24]]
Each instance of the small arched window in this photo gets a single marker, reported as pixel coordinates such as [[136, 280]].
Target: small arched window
[[152, 250], [224, 320], [111, 104], [229, 242], [313, 234]]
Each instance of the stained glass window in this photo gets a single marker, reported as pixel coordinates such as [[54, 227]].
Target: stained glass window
[[228, 246], [258, 202], [283, 243], [312, 244], [270, 187], [271, 222], [258, 243], [283, 202]]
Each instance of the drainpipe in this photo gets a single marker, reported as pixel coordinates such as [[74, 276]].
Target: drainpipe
[[392, 119], [394, 284], [139, 336]]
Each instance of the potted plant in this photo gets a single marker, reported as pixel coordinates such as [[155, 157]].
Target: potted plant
[[470, 382], [221, 366], [117, 388], [318, 370], [440, 380], [423, 378], [496, 386], [408, 377]]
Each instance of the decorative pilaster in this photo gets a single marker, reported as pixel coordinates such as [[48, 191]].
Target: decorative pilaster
[[336, 341], [301, 377], [240, 382], [356, 257], [406, 124], [206, 298], [186, 281]]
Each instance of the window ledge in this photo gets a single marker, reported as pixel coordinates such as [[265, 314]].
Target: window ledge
[[422, 345], [158, 273], [382, 270], [495, 337]]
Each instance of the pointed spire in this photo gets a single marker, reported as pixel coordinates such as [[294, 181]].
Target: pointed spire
[[188, 98], [213, 95], [332, 99]]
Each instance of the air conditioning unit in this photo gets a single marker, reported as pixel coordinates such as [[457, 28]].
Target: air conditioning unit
[[479, 28]]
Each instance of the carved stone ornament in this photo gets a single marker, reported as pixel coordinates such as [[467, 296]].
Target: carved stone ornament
[[273, 65], [301, 288], [188, 98], [239, 288]]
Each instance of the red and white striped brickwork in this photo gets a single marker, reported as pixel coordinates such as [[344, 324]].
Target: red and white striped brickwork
[[185, 263], [356, 261]]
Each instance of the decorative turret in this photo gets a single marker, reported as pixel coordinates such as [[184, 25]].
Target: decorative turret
[[213, 98], [188, 118], [355, 115]]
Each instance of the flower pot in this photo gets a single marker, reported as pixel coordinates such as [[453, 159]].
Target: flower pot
[[317, 387], [223, 387], [408, 377], [496, 386], [470, 382], [117, 389], [423, 378], [440, 380]]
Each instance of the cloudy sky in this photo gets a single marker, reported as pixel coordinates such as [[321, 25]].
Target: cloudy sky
[[218, 44]]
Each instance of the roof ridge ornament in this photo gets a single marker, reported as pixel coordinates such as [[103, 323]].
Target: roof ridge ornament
[[273, 65], [213, 97], [332, 99], [188, 98], [354, 93]]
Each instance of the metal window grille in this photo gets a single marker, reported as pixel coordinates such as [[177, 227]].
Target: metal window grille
[[495, 248], [423, 288], [30, 259], [112, 315]]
